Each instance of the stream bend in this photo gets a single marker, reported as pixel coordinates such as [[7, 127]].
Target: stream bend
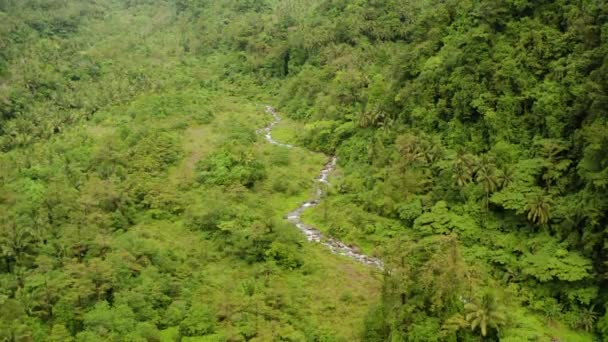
[[295, 216]]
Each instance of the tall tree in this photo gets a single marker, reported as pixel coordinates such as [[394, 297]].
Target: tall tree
[[487, 176], [463, 168], [485, 314], [538, 209]]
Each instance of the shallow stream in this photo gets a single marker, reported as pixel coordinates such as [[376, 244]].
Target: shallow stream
[[295, 216]]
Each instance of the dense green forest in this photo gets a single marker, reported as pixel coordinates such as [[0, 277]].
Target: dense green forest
[[137, 202]]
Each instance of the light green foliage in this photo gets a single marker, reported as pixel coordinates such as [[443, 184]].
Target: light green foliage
[[441, 221], [199, 320], [321, 136], [107, 230], [545, 260], [283, 255], [114, 323], [60, 333], [13, 321], [225, 167]]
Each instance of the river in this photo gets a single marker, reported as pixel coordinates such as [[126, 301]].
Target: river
[[295, 216]]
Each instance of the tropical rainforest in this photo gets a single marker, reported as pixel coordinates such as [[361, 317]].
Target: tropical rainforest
[[139, 201]]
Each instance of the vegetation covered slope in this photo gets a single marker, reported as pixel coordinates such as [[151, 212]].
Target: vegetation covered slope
[[137, 202], [482, 121], [472, 138]]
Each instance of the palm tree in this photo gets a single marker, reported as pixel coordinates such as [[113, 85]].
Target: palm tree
[[487, 177], [453, 324], [538, 209], [587, 317], [485, 314], [365, 119], [430, 153], [408, 146], [464, 167], [373, 117], [14, 242], [552, 151], [505, 177]]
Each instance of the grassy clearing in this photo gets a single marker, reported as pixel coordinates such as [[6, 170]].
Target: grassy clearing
[[332, 292], [287, 131]]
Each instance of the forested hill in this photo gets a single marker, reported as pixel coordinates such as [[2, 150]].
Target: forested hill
[[138, 203]]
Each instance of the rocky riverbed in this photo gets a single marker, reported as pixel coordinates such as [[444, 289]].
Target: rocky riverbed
[[295, 216]]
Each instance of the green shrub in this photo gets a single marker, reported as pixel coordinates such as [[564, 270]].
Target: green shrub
[[224, 168]]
